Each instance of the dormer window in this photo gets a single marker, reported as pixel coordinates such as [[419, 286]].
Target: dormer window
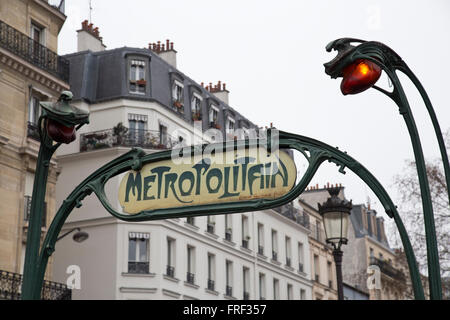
[[137, 77], [177, 96], [214, 116], [230, 125], [196, 107]]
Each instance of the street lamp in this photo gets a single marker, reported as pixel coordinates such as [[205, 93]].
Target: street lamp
[[57, 125], [360, 67], [335, 213], [79, 236]]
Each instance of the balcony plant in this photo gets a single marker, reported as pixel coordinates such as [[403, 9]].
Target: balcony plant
[[119, 132], [177, 104], [141, 82]]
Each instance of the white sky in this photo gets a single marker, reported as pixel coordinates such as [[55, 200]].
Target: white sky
[[271, 54]]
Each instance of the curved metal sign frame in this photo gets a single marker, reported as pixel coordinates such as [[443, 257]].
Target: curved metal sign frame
[[315, 152]]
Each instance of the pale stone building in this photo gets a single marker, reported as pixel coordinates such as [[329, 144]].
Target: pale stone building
[[255, 255], [30, 71]]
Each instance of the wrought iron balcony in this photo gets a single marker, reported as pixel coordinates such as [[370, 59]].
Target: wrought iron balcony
[[229, 291], [190, 277], [32, 51], [246, 295], [388, 269], [108, 138], [32, 131], [289, 211], [300, 267], [228, 234], [11, 286], [288, 261], [170, 271], [245, 243], [274, 256], [210, 284], [261, 250], [210, 228], [138, 267]]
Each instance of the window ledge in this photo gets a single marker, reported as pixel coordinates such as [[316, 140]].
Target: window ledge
[[212, 235], [128, 274], [190, 226], [165, 276], [275, 262], [261, 256], [289, 268], [246, 249], [302, 273], [187, 284], [229, 297], [230, 243], [212, 292]]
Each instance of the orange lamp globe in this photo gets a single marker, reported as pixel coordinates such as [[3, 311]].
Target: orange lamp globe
[[359, 76]]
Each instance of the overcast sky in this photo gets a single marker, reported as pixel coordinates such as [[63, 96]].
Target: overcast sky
[[271, 54]]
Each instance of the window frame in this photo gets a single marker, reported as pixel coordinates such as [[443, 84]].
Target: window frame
[[137, 81]]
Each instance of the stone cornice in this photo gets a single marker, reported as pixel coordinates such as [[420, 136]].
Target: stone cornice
[[32, 72]]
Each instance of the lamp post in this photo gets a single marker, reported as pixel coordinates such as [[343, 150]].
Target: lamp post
[[360, 67], [335, 213], [57, 124]]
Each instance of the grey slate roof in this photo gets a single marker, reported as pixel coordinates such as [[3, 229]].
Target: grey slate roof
[[102, 76]]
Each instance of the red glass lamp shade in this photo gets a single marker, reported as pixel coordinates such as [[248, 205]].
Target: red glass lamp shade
[[59, 132], [359, 76]]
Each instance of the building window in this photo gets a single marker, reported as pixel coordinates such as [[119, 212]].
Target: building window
[[34, 111], [190, 276], [138, 256], [196, 107], [137, 77], [228, 228], [302, 294], [170, 270], [214, 117], [288, 251], [37, 35], [262, 286], [211, 271], [300, 257], [230, 125], [246, 283], [177, 96], [210, 224], [260, 238], [276, 289], [316, 268], [274, 245], [245, 234], [163, 138], [137, 125], [290, 292], [330, 274], [228, 278]]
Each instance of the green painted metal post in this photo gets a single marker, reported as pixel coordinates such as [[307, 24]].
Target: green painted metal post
[[389, 61], [35, 223]]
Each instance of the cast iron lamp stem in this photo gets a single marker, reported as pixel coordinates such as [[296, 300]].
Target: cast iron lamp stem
[[390, 61], [337, 254]]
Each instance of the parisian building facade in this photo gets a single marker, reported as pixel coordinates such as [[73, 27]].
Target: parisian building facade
[[137, 97]]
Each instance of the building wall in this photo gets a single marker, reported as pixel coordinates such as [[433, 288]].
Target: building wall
[[18, 152]]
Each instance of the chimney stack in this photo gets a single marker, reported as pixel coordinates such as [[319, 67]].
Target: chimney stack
[[165, 52], [89, 38], [219, 90]]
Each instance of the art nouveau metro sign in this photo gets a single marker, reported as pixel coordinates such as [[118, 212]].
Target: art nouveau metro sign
[[225, 176]]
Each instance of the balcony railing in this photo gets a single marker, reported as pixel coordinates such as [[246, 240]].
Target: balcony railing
[[288, 261], [289, 211], [138, 267], [170, 271], [261, 250], [11, 286], [300, 267], [228, 235], [245, 243], [32, 51], [210, 228], [274, 256], [27, 211], [147, 139], [32, 131], [388, 269], [229, 291], [210, 284], [246, 295], [190, 277]]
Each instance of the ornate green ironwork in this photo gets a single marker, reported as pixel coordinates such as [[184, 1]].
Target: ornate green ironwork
[[391, 62], [314, 151]]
